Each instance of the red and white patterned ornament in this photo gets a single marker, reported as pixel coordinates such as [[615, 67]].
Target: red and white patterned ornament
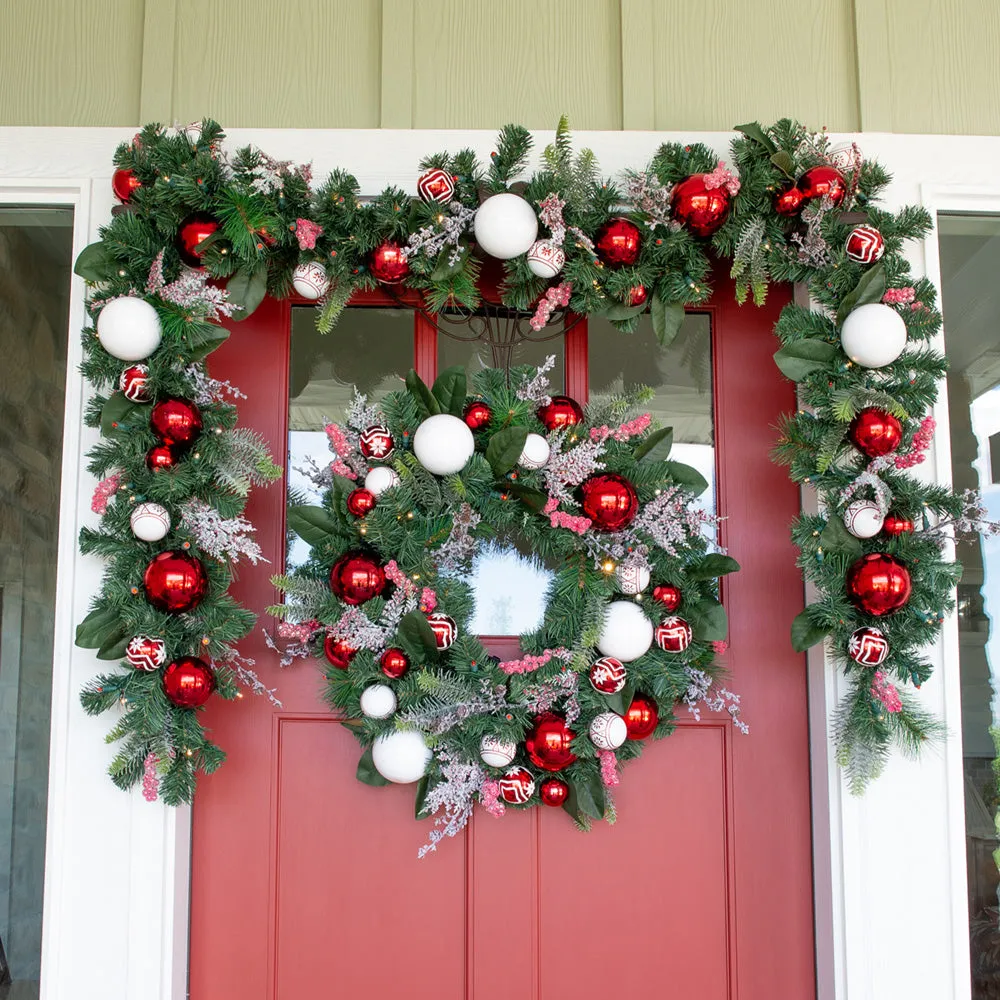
[[436, 185], [673, 635], [495, 751], [545, 258], [376, 442], [132, 383], [145, 652], [310, 280], [865, 245], [863, 518], [607, 675], [608, 731], [632, 579], [149, 522], [444, 628], [517, 786], [868, 646]]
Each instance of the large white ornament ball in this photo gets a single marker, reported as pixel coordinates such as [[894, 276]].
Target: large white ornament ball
[[535, 452], [608, 731], [632, 579], [149, 522], [129, 328], [506, 226], [443, 444], [378, 701], [873, 335], [310, 280], [380, 479], [545, 258], [401, 757], [863, 519], [627, 632], [497, 752]]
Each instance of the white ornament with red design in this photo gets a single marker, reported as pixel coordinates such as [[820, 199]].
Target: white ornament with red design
[[443, 444], [546, 259], [145, 652], [868, 646], [517, 786], [149, 522], [444, 628], [608, 731], [497, 752], [608, 675], [380, 479], [865, 245], [132, 383], [310, 280], [673, 635], [863, 518], [632, 579], [535, 453], [376, 442]]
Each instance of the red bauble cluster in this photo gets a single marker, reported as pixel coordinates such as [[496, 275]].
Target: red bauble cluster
[[668, 595], [553, 791], [175, 581], [123, 183], [176, 422], [361, 501], [549, 744], [895, 524], [477, 415], [610, 501], [817, 182], [188, 682], [356, 577], [560, 412], [641, 717], [394, 663], [618, 243], [338, 652], [388, 263], [878, 584], [875, 432], [193, 231], [698, 207]]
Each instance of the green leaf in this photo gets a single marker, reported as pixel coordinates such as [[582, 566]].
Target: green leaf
[[784, 163], [616, 702], [753, 130], [505, 449], [708, 620], [113, 648], [687, 475], [836, 538], [202, 341], [94, 262], [870, 288], [247, 289], [423, 786], [314, 525], [426, 400], [415, 630], [805, 633], [656, 446], [366, 771], [531, 498], [619, 312], [97, 628], [117, 412], [585, 798], [444, 269], [712, 566], [803, 357], [450, 390], [667, 319]]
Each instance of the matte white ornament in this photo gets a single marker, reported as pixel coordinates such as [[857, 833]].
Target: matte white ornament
[[129, 328], [497, 752], [627, 632], [191, 132], [535, 452], [608, 731], [545, 259], [310, 280], [505, 226], [443, 444], [632, 579], [863, 519], [149, 522], [401, 757], [380, 479], [873, 335], [378, 701]]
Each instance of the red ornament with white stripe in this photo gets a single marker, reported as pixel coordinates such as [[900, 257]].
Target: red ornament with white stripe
[[132, 383], [444, 628], [145, 652], [607, 675], [376, 442], [673, 635], [865, 245], [517, 786], [436, 185], [868, 646]]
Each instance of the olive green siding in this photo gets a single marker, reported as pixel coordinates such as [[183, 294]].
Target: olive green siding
[[885, 65]]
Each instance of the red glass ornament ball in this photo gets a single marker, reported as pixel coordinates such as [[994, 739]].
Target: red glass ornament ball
[[549, 743], [175, 421], [553, 791], [864, 245], [188, 682], [356, 577], [560, 412], [868, 646], [875, 432], [436, 185], [133, 383], [517, 785], [823, 182], [338, 652], [618, 243], [673, 634], [388, 263], [641, 717], [193, 231], [668, 595], [789, 202], [361, 501], [444, 627], [878, 584], [162, 457], [896, 525], [698, 207], [610, 501], [175, 581], [637, 295], [376, 442], [608, 675], [477, 415], [394, 663], [123, 183]]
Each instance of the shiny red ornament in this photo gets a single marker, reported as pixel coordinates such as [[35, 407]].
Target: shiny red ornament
[[162, 457], [549, 743], [133, 383], [878, 584], [176, 421], [698, 207], [436, 185], [868, 646], [641, 717], [188, 682], [637, 294], [444, 627], [610, 501], [789, 202], [388, 263], [560, 412], [608, 675], [668, 595], [517, 785], [895, 525], [673, 634], [553, 791], [361, 501], [338, 652], [477, 415], [618, 242], [356, 577], [875, 432], [123, 183], [823, 182], [376, 442], [193, 231], [175, 581], [394, 663]]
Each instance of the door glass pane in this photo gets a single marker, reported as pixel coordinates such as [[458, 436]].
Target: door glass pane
[[476, 355], [371, 349], [970, 262], [36, 257]]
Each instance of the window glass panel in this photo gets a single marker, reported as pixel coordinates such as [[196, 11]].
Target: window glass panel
[[476, 355]]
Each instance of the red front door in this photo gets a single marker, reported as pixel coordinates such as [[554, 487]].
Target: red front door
[[305, 882]]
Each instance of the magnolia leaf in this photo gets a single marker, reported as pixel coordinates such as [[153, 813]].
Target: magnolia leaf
[[667, 319], [423, 786], [803, 357], [687, 475], [426, 400], [314, 525], [95, 630], [113, 648], [585, 798], [202, 341], [505, 449], [616, 702], [366, 771], [247, 289], [753, 130], [836, 538], [712, 566], [117, 412], [805, 632], [619, 312], [414, 630], [870, 288], [94, 263], [450, 390], [708, 620], [656, 446], [784, 163], [445, 269], [531, 498]]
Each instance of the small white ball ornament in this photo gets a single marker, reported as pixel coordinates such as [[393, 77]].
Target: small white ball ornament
[[608, 731], [378, 701], [535, 452], [401, 757], [129, 328], [443, 444], [380, 479], [310, 280], [627, 632], [505, 226], [545, 259], [873, 335], [863, 519], [632, 579], [149, 522], [497, 752]]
